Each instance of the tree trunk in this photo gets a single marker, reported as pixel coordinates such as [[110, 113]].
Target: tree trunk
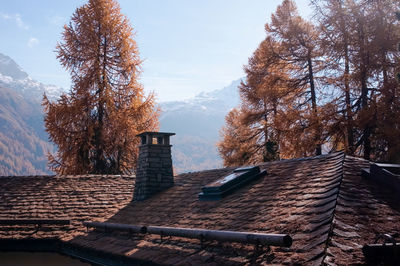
[[317, 137], [364, 106], [99, 164], [364, 90], [349, 115]]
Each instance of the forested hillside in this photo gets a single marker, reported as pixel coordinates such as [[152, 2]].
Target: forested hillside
[[23, 142]]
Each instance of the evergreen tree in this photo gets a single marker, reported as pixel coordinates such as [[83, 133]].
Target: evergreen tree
[[95, 124]]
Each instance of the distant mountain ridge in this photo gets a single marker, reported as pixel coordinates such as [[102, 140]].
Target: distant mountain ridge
[[9, 68], [12, 76], [24, 142], [197, 122]]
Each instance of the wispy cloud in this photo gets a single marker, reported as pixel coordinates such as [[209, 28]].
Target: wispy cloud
[[32, 42], [178, 79], [56, 20], [16, 18]]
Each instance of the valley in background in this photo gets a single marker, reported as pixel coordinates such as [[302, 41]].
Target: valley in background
[[24, 143]]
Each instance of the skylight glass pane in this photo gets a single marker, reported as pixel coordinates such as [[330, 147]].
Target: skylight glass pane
[[223, 186]]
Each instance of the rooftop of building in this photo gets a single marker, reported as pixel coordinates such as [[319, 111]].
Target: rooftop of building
[[322, 202]]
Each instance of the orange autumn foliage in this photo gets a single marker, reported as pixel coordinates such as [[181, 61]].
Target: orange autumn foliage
[[320, 86], [360, 41], [95, 124]]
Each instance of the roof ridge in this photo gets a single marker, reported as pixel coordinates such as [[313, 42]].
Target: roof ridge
[[327, 155], [209, 170], [332, 219]]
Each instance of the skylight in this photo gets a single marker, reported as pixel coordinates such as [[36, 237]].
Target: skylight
[[223, 186]]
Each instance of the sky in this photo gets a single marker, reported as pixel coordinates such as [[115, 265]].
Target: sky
[[187, 46]]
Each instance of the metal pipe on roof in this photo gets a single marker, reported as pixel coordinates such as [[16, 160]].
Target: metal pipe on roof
[[117, 227], [282, 240]]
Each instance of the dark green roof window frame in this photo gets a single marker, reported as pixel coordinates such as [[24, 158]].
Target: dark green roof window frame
[[227, 184]]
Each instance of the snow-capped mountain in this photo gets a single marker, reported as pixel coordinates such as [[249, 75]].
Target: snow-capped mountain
[[197, 122], [24, 143], [219, 101], [23, 140], [10, 69], [12, 76]]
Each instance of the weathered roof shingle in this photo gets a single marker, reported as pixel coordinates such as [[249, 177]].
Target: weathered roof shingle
[[322, 202]]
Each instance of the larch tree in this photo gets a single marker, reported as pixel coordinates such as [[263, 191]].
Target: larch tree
[[95, 124], [239, 145], [335, 25], [262, 95], [252, 132], [327, 83], [299, 47], [360, 42], [385, 138], [278, 116], [362, 72]]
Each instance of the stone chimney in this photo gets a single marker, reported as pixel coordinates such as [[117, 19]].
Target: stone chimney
[[154, 166]]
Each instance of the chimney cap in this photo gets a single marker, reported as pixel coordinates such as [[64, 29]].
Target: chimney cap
[[155, 134]]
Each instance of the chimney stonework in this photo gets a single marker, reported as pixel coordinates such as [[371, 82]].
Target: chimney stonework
[[154, 166]]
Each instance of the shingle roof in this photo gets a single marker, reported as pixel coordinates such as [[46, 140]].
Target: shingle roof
[[364, 211], [322, 202], [75, 198]]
